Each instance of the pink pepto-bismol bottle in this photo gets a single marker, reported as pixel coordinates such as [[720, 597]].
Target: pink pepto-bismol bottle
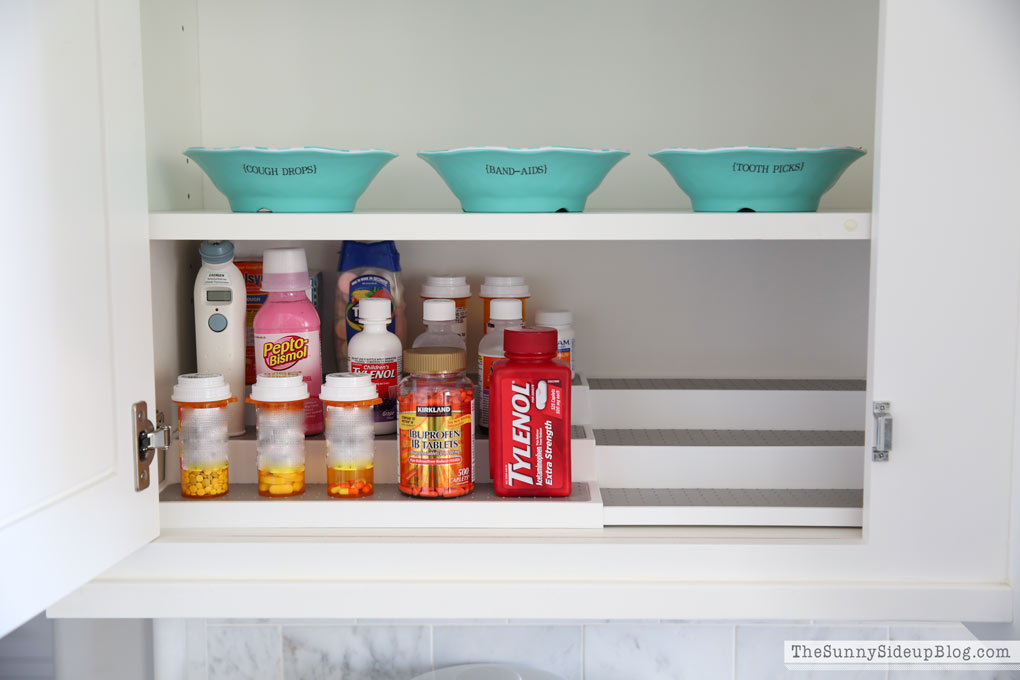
[[287, 336]]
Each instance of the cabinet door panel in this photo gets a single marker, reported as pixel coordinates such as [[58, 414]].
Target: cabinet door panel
[[946, 269], [76, 342]]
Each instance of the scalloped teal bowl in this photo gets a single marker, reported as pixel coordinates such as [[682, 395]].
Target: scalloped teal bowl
[[308, 179], [500, 179], [757, 179]]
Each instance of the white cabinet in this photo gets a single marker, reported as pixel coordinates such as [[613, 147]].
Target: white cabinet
[[911, 298]]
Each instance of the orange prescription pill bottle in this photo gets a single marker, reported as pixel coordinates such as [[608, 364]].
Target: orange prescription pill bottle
[[454, 288], [279, 400], [349, 399], [503, 287], [202, 400]]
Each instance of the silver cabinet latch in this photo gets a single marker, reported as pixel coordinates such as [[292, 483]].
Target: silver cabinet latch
[[883, 431], [147, 440]]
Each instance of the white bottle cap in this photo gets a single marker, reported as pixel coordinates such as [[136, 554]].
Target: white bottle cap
[[446, 287], [374, 309], [505, 310], [348, 387], [439, 310], [284, 269], [200, 387], [558, 317], [279, 387], [504, 287]]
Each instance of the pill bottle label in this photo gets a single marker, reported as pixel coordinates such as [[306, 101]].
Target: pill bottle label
[[385, 374], [437, 448], [484, 376], [366, 286], [460, 327], [533, 432], [565, 351]]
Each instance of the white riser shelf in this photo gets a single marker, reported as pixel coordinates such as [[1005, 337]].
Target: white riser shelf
[[738, 459], [769, 475], [727, 404], [458, 226]]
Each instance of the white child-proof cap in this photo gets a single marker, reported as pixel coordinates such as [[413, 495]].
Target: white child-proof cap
[[279, 387], [200, 387], [558, 317], [446, 287], [504, 287], [348, 387], [439, 310], [505, 310], [374, 309], [284, 269]]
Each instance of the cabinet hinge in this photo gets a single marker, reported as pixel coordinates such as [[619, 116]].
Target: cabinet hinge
[[147, 440], [883, 431]]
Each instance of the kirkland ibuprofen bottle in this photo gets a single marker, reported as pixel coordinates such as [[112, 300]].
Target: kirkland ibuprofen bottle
[[437, 439], [529, 416]]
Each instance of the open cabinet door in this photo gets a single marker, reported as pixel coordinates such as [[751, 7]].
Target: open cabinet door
[[76, 341], [946, 271]]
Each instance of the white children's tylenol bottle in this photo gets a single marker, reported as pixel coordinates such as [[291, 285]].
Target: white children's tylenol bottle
[[503, 314], [441, 325], [378, 352]]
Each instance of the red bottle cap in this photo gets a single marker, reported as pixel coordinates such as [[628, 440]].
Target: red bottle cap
[[530, 341]]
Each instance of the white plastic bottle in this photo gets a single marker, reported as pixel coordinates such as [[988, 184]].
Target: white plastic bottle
[[562, 321], [220, 308], [499, 287], [441, 325], [503, 314], [378, 352], [454, 288]]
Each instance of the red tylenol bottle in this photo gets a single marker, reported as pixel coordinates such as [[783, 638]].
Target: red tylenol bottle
[[529, 416]]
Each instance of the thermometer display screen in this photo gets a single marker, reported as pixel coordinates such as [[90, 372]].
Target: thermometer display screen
[[217, 296]]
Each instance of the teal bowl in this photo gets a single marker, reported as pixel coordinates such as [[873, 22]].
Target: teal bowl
[[308, 179], [757, 179], [503, 180]]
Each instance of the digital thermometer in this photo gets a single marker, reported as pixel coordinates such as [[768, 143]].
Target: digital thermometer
[[220, 308]]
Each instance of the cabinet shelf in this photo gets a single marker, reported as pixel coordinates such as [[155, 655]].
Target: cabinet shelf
[[386, 508], [458, 226]]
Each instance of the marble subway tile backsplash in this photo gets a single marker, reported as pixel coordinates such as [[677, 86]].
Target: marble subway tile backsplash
[[394, 652], [552, 648], [260, 649]]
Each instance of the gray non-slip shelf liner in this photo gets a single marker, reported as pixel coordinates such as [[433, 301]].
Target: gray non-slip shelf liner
[[717, 498], [750, 384], [481, 434], [576, 380], [383, 492], [729, 437]]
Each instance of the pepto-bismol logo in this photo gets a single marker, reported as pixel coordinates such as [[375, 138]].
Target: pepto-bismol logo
[[285, 352]]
